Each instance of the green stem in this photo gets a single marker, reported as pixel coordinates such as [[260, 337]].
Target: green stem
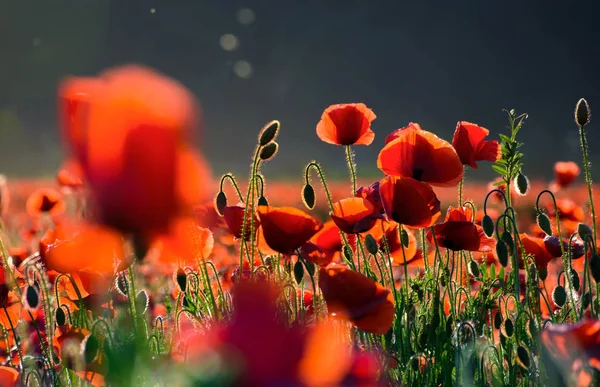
[[351, 168], [588, 177]]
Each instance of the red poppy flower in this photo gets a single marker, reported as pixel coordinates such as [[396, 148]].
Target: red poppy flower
[[537, 249], [458, 232], [137, 128], [470, 144], [313, 254], [400, 254], [409, 202], [329, 240], [234, 217], [9, 377], [286, 229], [565, 172], [552, 244], [364, 302], [70, 175], [354, 215], [46, 200], [185, 243], [421, 155], [574, 341], [371, 193], [346, 124]]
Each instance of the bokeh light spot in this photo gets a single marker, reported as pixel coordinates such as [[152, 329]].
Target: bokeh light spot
[[242, 69], [229, 42], [246, 16]]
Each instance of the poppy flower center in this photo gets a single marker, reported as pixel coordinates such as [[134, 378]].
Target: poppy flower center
[[417, 174], [47, 204]]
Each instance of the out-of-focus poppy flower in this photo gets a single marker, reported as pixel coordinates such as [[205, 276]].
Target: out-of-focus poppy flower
[[354, 215], [371, 193], [552, 244], [565, 173], [421, 155], [70, 175], [469, 142], [286, 229], [400, 254], [193, 173], [45, 200], [18, 254], [537, 249], [574, 341], [9, 377], [364, 302], [83, 246], [4, 196], [458, 232], [185, 244], [137, 129], [346, 124], [568, 209], [313, 254], [409, 202], [502, 188], [206, 216], [234, 217], [329, 240]]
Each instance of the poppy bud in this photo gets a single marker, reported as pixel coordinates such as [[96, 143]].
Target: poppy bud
[[121, 284], [474, 269], [268, 133], [348, 253], [308, 196], [584, 231], [544, 223], [61, 318], [586, 300], [502, 253], [371, 244], [220, 202], [575, 280], [404, 238], [141, 302], [523, 357], [310, 268], [595, 267], [559, 296], [269, 151], [521, 184], [533, 272], [91, 347], [488, 225], [298, 272], [262, 201], [533, 330], [32, 297], [543, 273], [508, 240], [508, 328], [498, 320], [582, 112], [181, 279]]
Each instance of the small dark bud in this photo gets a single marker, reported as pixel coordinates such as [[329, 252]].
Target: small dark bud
[[348, 253], [584, 231], [586, 300], [559, 296], [521, 184], [298, 272], [310, 268], [91, 347], [262, 201], [533, 272], [523, 357], [140, 247], [268, 133], [308, 196], [121, 284], [582, 112], [181, 279], [404, 238], [544, 223], [60, 316], [595, 267], [502, 253], [508, 328], [575, 280], [220, 202], [474, 269], [269, 151], [141, 302], [371, 244], [32, 297], [488, 225], [543, 274], [508, 240], [498, 320]]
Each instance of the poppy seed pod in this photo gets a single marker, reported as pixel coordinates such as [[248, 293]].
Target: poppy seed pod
[[308, 196], [559, 296], [582, 112], [269, 151], [220, 202], [268, 133]]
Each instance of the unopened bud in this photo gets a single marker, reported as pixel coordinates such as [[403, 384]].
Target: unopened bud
[[582, 112], [268, 133]]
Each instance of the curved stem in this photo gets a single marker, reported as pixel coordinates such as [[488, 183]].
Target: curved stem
[[229, 176], [588, 177]]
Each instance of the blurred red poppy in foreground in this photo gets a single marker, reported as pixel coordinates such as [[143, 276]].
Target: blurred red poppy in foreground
[[286, 229], [409, 202], [234, 217], [565, 172], [133, 152], [470, 144], [351, 295], [458, 232], [46, 200], [421, 155], [537, 249], [354, 215], [346, 124], [9, 376], [574, 341]]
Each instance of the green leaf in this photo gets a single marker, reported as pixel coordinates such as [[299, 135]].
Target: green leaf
[[499, 169]]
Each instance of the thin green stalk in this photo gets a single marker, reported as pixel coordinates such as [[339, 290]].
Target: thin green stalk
[[588, 177], [351, 167]]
